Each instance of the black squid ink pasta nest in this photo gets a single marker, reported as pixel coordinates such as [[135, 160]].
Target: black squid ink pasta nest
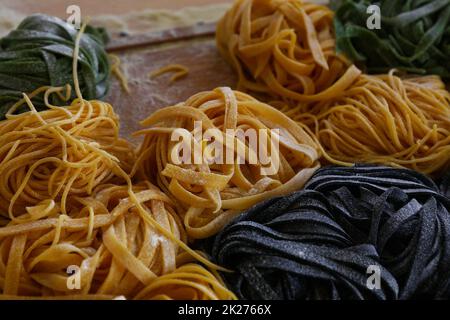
[[323, 242]]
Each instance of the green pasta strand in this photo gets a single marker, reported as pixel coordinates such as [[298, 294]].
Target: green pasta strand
[[40, 53], [414, 35]]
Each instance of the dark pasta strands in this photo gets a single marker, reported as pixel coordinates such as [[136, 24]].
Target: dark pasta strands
[[321, 243], [445, 184], [40, 52], [296, 254], [406, 217]]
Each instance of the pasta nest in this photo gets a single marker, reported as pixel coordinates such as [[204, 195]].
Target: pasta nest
[[327, 241], [387, 120], [56, 153], [284, 48], [211, 193], [117, 251]]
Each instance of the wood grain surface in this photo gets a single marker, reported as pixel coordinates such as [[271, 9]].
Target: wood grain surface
[[207, 70], [96, 7]]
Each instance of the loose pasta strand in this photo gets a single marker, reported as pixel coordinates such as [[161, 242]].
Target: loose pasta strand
[[180, 71], [117, 71]]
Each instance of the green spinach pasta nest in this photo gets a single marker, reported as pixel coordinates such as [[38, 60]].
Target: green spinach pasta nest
[[414, 35], [40, 53]]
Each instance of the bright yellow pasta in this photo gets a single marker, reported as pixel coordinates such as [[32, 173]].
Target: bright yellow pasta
[[386, 120], [68, 204], [180, 71], [117, 252], [213, 193], [284, 48], [52, 154], [189, 281]]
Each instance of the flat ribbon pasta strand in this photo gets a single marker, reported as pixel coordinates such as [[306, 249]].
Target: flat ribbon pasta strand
[[284, 48], [189, 281], [117, 71], [212, 194], [180, 71]]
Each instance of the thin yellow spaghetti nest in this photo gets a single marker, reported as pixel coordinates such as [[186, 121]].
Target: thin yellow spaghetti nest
[[386, 120], [52, 154]]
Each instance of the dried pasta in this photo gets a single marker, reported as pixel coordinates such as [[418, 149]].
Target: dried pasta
[[117, 71], [213, 193], [285, 48], [384, 119], [71, 205], [320, 242], [52, 154], [180, 71], [189, 281], [119, 254]]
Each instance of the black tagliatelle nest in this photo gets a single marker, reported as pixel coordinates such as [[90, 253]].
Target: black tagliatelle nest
[[348, 229]]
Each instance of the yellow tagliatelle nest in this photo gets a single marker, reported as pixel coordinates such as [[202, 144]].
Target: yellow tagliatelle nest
[[212, 193], [115, 251], [386, 120], [52, 154], [285, 48]]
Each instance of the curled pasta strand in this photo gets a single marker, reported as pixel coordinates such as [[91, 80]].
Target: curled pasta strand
[[180, 71]]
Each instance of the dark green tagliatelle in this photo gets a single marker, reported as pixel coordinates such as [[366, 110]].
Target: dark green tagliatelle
[[40, 53], [414, 35]]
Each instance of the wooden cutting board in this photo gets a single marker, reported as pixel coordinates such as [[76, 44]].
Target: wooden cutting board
[[147, 41], [207, 70]]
